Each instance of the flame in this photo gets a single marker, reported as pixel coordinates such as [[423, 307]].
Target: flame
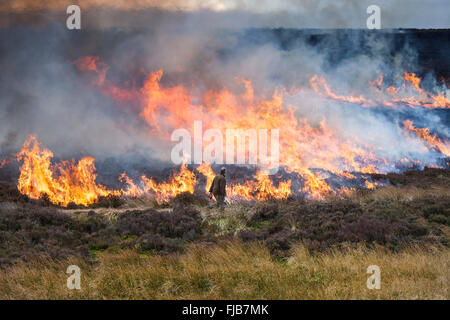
[[207, 171], [369, 185], [396, 95], [439, 101], [315, 185], [424, 99], [93, 64], [68, 182], [377, 83], [414, 81], [261, 189], [5, 162], [432, 140], [165, 108], [63, 182], [183, 181], [320, 86], [132, 190], [304, 146]]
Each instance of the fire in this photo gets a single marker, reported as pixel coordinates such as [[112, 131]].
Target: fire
[[377, 83], [432, 140], [5, 162], [63, 183], [315, 185], [261, 189], [439, 101], [70, 182], [132, 189], [304, 145], [183, 181], [414, 81], [369, 185], [424, 99], [207, 171], [395, 94], [93, 64], [320, 86]]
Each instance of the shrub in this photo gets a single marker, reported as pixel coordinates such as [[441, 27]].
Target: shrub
[[187, 198], [265, 211], [322, 225], [11, 193], [182, 222], [110, 201], [32, 231]]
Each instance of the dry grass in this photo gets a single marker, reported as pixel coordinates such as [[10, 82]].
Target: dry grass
[[235, 271]]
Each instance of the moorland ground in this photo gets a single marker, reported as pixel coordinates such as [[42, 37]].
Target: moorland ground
[[275, 249]]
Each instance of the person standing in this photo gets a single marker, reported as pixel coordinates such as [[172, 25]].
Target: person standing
[[218, 188]]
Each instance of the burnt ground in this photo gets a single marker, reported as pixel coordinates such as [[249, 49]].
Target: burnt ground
[[413, 210]]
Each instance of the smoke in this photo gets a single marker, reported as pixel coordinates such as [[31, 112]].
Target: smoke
[[44, 93], [249, 13]]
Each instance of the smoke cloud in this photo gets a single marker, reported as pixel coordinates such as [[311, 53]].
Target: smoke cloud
[[204, 46], [249, 13]]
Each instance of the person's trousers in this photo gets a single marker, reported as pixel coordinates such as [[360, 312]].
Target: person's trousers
[[220, 200]]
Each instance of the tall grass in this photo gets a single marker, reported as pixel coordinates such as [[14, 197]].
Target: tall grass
[[232, 270]]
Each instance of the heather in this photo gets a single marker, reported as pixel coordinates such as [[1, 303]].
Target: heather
[[136, 248]]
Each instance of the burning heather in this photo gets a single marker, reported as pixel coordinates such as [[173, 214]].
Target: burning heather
[[317, 159], [63, 183], [93, 115]]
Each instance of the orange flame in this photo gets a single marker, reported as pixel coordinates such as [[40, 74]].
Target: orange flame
[[183, 181], [427, 100], [303, 145], [63, 183], [432, 140], [261, 189], [207, 171], [315, 185], [320, 86], [396, 94], [5, 162]]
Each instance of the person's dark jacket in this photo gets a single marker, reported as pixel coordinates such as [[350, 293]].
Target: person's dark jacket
[[218, 186]]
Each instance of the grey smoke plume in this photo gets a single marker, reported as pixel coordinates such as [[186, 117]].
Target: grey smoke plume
[[250, 13], [42, 92]]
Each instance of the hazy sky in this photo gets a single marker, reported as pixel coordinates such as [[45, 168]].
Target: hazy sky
[[248, 13]]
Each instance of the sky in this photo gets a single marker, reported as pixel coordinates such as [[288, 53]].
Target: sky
[[227, 13]]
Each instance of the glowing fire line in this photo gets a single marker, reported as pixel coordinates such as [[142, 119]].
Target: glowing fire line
[[304, 146]]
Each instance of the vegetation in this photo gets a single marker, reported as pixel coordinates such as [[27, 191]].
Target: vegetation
[[290, 249], [231, 270]]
